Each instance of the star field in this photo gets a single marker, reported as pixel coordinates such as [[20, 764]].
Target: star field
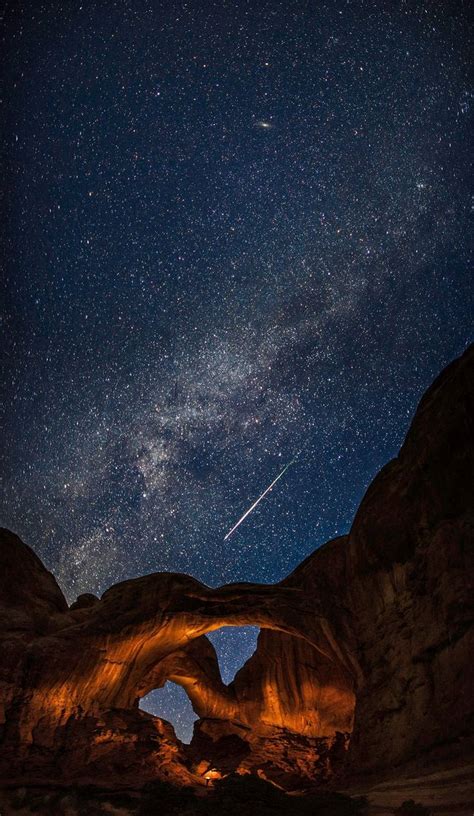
[[235, 232]]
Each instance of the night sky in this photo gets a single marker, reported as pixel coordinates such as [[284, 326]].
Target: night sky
[[236, 233]]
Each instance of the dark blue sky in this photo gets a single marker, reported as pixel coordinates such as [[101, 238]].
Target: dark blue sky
[[235, 231]]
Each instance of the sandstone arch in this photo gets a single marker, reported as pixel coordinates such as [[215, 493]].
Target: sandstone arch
[[147, 630], [80, 672]]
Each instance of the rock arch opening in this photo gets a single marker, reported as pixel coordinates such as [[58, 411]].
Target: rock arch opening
[[234, 645], [260, 678], [181, 698], [171, 703]]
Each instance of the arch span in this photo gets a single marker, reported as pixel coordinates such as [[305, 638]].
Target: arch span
[[154, 630], [146, 631]]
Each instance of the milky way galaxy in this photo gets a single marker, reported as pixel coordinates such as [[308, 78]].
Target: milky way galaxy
[[234, 231]]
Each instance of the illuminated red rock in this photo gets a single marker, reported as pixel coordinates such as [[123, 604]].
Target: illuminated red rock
[[72, 707], [372, 633]]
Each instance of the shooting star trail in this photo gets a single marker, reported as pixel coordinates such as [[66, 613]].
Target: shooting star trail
[[247, 513]]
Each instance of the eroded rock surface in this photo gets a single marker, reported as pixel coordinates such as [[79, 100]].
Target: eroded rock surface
[[372, 633], [290, 760]]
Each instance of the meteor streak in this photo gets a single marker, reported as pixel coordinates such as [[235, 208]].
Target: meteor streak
[[247, 512]]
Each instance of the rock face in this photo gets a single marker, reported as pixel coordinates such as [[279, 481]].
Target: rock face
[[411, 557], [372, 635]]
